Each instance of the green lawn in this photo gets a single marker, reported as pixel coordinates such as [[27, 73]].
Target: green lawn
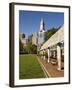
[[29, 67]]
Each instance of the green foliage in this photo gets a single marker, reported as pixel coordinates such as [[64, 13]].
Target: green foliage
[[50, 32], [24, 51], [28, 49], [32, 48], [20, 47]]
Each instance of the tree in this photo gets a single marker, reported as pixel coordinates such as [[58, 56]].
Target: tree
[[23, 35], [49, 33], [20, 46], [34, 49]]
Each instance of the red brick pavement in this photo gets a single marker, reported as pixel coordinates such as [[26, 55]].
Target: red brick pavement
[[52, 69]]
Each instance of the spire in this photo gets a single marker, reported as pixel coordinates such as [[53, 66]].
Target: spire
[[42, 20], [42, 25]]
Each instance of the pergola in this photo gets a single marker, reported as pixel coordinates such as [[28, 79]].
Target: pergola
[[54, 42]]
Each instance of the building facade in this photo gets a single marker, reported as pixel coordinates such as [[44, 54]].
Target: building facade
[[54, 47], [22, 38], [35, 38]]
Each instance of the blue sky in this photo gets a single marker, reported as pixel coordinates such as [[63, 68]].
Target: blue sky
[[29, 21]]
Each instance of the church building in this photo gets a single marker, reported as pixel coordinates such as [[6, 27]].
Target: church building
[[41, 33]]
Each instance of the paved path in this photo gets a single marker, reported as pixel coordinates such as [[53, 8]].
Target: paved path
[[51, 69], [43, 68]]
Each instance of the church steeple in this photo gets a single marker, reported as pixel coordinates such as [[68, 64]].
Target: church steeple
[[41, 33], [42, 25]]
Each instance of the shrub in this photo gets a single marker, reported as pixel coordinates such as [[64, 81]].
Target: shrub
[[24, 51]]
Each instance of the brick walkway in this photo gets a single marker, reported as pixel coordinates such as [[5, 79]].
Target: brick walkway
[[51, 69]]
